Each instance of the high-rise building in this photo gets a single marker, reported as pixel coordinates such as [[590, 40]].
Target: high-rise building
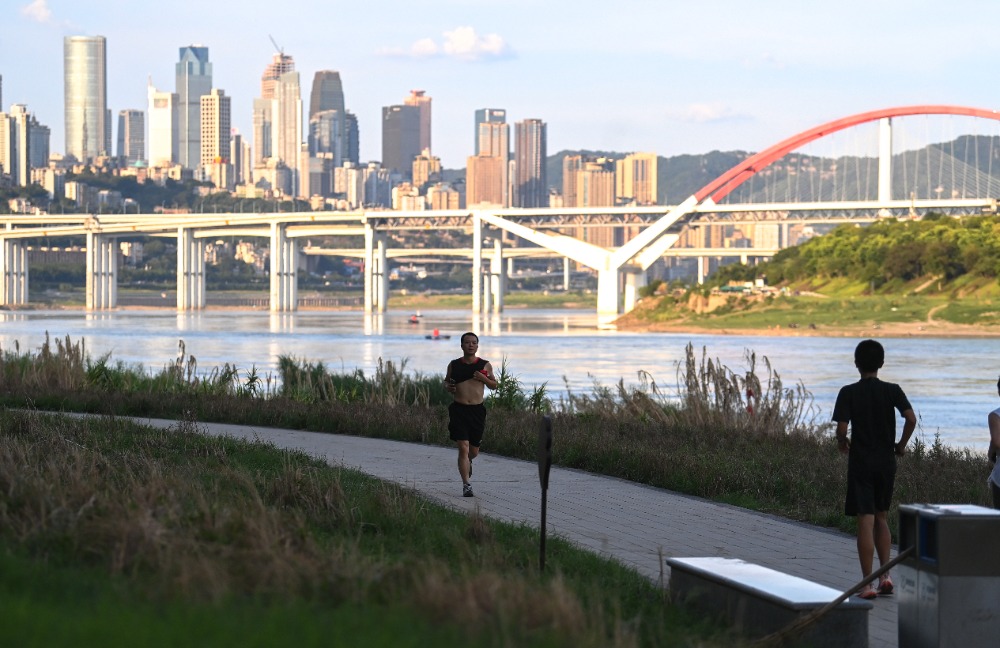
[[15, 144], [352, 138], [240, 158], [487, 116], [484, 181], [216, 137], [422, 102], [531, 187], [635, 179], [131, 136], [39, 138], [327, 93], [571, 166], [280, 63], [492, 142], [194, 80], [400, 138], [286, 129], [595, 187], [163, 140], [263, 107], [86, 97]]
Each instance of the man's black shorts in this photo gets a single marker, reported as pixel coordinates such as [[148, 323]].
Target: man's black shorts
[[869, 485], [467, 422]]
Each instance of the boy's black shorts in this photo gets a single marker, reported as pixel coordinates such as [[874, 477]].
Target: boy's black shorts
[[869, 485]]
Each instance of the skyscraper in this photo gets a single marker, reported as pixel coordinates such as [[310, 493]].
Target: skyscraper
[[488, 116], [86, 97], [420, 100], [263, 107], [531, 187], [286, 128], [194, 80], [216, 134], [163, 140], [39, 136], [327, 93], [400, 138], [492, 141], [131, 136]]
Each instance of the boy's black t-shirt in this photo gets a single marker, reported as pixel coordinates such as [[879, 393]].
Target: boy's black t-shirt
[[868, 406]]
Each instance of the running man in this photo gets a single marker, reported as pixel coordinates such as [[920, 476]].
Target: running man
[[465, 380], [867, 406]]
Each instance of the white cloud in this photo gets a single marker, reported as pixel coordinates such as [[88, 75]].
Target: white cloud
[[37, 10], [462, 43]]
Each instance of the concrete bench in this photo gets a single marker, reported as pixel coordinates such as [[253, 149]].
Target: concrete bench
[[757, 601]]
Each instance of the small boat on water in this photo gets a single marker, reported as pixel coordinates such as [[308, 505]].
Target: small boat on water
[[438, 337]]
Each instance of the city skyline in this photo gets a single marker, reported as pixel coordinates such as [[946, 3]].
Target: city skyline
[[664, 77]]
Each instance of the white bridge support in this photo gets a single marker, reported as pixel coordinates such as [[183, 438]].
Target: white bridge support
[[102, 271], [498, 278], [635, 280], [14, 266], [190, 270], [884, 160], [284, 265], [376, 270]]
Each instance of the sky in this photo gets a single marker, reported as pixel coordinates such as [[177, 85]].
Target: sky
[[666, 76]]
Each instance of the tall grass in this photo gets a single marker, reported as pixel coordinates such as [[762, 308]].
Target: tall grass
[[741, 437]]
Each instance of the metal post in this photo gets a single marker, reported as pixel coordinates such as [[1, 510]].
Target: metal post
[[544, 468]]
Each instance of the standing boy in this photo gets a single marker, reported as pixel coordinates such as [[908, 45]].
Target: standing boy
[[867, 406], [465, 379]]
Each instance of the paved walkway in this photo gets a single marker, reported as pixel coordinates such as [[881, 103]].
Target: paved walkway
[[632, 523]]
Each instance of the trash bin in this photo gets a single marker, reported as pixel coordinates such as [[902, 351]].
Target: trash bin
[[948, 590]]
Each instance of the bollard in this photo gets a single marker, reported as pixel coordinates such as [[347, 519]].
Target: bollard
[[544, 467]]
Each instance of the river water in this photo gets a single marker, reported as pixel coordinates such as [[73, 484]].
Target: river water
[[951, 382]]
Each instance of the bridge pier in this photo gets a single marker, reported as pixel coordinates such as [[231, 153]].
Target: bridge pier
[[498, 278], [566, 265], [376, 270], [284, 266], [635, 280], [190, 271], [14, 266], [608, 292], [477, 263], [102, 272]]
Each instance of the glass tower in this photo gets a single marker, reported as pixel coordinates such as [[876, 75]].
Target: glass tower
[[194, 80], [86, 97]]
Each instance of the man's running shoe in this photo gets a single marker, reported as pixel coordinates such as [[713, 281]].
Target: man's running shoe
[[868, 593], [885, 586], [467, 490]]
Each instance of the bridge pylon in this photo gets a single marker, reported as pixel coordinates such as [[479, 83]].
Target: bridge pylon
[[14, 268]]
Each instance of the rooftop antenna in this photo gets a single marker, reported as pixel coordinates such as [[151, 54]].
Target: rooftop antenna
[[281, 50]]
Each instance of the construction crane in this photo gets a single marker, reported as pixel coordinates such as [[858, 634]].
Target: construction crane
[[281, 50]]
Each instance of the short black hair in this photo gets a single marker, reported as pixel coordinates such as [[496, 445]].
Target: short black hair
[[462, 339], [869, 355]]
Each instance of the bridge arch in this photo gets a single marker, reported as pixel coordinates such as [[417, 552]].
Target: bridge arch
[[719, 188]]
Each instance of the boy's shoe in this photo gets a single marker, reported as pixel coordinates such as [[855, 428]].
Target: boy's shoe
[[868, 593], [467, 490], [885, 586]]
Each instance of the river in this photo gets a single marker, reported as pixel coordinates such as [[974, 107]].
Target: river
[[950, 381]]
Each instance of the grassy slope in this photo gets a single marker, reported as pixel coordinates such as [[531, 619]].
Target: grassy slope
[[837, 303], [113, 534]]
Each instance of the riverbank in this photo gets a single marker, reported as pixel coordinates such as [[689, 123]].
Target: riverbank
[[885, 330]]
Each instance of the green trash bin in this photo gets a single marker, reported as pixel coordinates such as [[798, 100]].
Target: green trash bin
[[949, 589]]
